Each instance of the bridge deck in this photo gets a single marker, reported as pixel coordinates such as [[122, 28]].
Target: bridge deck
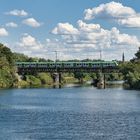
[[30, 70]]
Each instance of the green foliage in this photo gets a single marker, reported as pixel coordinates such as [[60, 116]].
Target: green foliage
[[93, 76], [126, 67], [87, 77], [20, 57], [131, 72], [7, 69], [23, 84], [33, 81], [45, 78], [79, 76], [114, 77], [138, 54], [7, 54], [133, 80]]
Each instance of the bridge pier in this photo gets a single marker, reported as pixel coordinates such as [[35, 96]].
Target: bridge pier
[[57, 80], [101, 84], [60, 80]]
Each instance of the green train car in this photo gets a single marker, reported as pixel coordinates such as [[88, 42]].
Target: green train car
[[62, 64]]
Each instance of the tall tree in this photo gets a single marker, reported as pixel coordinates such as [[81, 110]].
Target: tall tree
[[138, 54]]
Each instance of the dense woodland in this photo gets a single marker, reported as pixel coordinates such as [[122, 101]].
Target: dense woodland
[[130, 72]]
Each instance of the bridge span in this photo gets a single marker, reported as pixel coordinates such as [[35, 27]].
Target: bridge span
[[57, 68]]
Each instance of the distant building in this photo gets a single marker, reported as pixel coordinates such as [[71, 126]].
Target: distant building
[[123, 58]]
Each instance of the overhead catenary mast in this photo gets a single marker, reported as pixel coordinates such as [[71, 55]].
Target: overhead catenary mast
[[100, 54]]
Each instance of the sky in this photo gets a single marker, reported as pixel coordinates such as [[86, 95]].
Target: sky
[[76, 29]]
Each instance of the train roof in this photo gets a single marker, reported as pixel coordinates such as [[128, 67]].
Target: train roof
[[64, 62]]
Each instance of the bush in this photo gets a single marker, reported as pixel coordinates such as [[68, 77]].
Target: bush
[[33, 81], [45, 78]]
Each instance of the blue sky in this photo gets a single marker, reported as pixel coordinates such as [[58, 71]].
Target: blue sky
[[75, 28]]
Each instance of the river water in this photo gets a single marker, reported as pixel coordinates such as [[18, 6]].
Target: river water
[[70, 113]]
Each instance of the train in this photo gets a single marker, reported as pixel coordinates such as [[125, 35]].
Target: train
[[63, 64]]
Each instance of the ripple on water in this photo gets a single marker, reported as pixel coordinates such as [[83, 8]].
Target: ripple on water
[[81, 114]]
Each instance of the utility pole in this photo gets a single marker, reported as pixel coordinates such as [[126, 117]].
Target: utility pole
[[100, 54], [55, 56], [56, 60]]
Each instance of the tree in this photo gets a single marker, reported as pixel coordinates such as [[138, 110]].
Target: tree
[[131, 72], [93, 76], [6, 52], [20, 57], [79, 76], [7, 69], [138, 54]]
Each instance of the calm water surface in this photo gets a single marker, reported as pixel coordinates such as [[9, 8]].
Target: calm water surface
[[69, 114]]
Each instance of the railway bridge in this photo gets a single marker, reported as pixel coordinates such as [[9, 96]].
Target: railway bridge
[[57, 68]]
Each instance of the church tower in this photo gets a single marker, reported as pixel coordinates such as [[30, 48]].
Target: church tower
[[123, 58]]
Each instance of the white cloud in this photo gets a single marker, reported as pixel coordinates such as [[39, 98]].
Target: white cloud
[[88, 27], [93, 34], [11, 24], [123, 39], [80, 42], [91, 37], [15, 12], [130, 22], [29, 42], [123, 15], [31, 22], [112, 9], [3, 32], [64, 28]]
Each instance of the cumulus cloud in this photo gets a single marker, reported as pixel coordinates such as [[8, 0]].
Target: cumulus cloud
[[30, 42], [92, 37], [130, 22], [123, 15], [15, 12], [80, 42], [3, 32], [88, 27], [94, 34], [31, 46], [64, 28], [11, 24], [31, 22]]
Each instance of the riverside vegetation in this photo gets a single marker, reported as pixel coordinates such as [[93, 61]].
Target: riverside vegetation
[[130, 72]]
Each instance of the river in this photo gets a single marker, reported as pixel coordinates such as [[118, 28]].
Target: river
[[70, 113]]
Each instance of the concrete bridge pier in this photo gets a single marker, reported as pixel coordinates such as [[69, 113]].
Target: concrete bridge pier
[[57, 80], [60, 80], [101, 84]]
